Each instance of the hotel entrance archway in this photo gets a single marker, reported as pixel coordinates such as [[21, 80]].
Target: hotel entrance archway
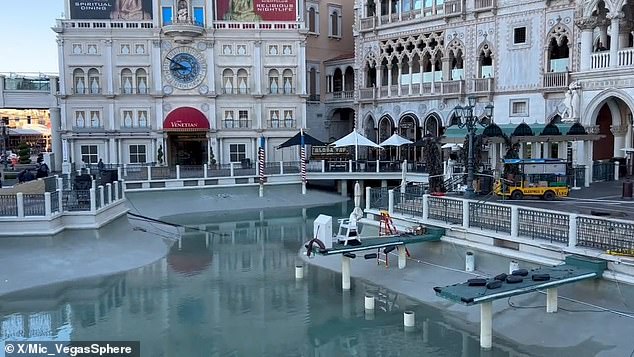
[[187, 139]]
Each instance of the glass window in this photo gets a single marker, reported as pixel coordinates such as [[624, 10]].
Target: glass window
[[137, 154], [311, 20], [199, 16], [519, 35], [519, 108], [275, 118], [237, 152], [167, 15], [243, 117], [89, 154]]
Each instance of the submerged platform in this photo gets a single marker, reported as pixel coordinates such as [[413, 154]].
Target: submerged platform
[[558, 275], [367, 243]]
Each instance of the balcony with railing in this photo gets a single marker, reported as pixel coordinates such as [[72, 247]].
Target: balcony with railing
[[482, 85], [131, 90], [454, 8], [87, 91], [341, 96], [440, 88], [484, 5], [184, 31], [62, 25], [236, 124], [236, 91], [282, 91], [601, 60], [556, 80], [263, 25], [281, 124]]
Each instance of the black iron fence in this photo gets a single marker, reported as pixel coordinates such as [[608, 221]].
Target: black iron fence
[[408, 204], [34, 205], [76, 200], [543, 225], [490, 216], [8, 206], [445, 210], [379, 198], [605, 234], [603, 171], [55, 202]]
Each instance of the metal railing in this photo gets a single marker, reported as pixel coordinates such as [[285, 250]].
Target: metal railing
[[556, 79], [8, 206], [34, 204], [539, 224], [545, 225], [490, 216], [76, 200], [55, 202]]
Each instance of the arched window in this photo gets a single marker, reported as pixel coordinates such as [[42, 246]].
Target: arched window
[[227, 81], [79, 81], [456, 63], [287, 78], [141, 81], [407, 127], [337, 81], [243, 81], [385, 128], [415, 69], [558, 49], [370, 8], [432, 126], [311, 20], [126, 81], [94, 81], [274, 81], [370, 76], [486, 62], [348, 84]]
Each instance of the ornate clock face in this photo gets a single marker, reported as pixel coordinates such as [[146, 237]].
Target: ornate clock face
[[184, 67]]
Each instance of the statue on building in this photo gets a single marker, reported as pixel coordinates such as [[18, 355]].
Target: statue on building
[[129, 10], [242, 10], [571, 103], [183, 13]]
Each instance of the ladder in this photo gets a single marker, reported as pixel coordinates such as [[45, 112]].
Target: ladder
[[386, 227]]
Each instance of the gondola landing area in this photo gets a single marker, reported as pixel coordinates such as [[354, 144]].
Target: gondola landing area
[[347, 243]]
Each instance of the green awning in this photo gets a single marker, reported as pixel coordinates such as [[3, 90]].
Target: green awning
[[456, 134]]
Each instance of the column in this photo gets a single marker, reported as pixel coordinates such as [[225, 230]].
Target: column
[[400, 11], [211, 65], [209, 148], [377, 10], [389, 10], [343, 81], [585, 62], [619, 139], [72, 151], [56, 137], [300, 75], [112, 151], [111, 117], [420, 86], [398, 80], [62, 67], [411, 77], [153, 151], [257, 67], [389, 80], [221, 157], [624, 34], [446, 69], [107, 72], [156, 65], [615, 21], [119, 151], [379, 79]]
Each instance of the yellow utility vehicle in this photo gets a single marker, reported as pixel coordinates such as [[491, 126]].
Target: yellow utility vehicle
[[544, 178]]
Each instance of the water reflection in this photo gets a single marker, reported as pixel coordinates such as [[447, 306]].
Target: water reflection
[[229, 290]]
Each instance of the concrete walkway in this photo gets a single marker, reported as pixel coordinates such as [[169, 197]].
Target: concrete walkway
[[576, 330]]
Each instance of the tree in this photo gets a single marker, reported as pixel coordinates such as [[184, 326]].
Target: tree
[[433, 161], [24, 153], [159, 156], [212, 158]]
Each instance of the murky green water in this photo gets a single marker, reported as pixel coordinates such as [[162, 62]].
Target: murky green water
[[233, 293]]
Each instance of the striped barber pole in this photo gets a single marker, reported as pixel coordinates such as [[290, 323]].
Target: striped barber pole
[[261, 165], [302, 164]]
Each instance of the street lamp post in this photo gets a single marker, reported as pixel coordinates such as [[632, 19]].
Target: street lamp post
[[467, 119], [3, 135]]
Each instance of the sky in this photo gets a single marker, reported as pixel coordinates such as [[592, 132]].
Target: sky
[[26, 39]]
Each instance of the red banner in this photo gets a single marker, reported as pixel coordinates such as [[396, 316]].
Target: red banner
[[257, 10]]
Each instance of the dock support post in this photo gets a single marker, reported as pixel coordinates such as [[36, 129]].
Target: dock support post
[[486, 324], [402, 256], [345, 273], [551, 300]]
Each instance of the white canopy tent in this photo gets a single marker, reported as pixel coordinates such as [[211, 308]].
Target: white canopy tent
[[355, 139], [398, 141]]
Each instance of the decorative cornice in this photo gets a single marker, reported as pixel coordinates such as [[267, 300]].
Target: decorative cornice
[[619, 130], [586, 23]]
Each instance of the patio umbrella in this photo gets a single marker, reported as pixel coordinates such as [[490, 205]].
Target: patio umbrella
[[358, 211], [396, 140], [355, 139], [297, 141]]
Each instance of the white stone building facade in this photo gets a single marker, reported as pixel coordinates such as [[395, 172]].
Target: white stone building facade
[[537, 62], [188, 84]]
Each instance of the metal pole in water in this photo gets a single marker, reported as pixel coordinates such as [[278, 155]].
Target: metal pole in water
[[369, 302], [486, 324], [299, 272], [513, 266], [409, 319], [469, 261], [345, 273]]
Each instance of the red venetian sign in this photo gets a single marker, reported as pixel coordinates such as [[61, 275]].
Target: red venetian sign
[[257, 10], [185, 119]]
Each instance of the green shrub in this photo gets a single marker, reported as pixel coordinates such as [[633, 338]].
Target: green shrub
[[24, 153]]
